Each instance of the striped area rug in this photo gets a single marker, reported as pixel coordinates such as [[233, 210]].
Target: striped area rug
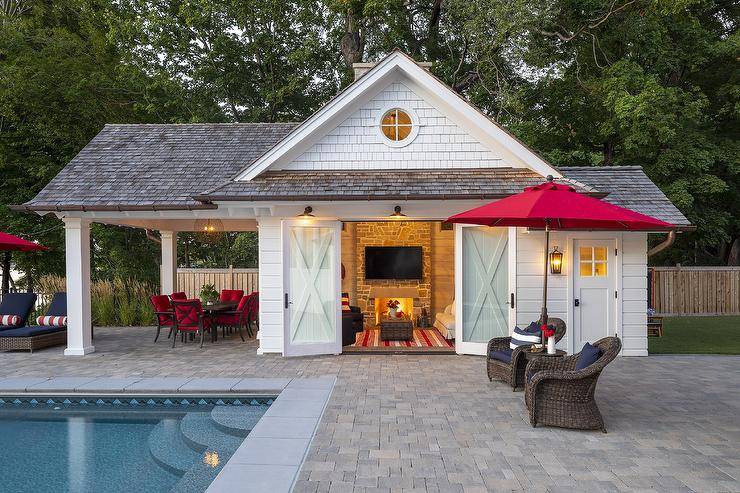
[[422, 338]]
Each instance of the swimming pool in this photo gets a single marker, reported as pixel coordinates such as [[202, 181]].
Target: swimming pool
[[114, 444]]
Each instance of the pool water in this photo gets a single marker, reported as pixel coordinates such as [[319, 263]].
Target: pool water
[[93, 448]]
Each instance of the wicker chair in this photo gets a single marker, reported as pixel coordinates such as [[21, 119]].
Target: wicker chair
[[513, 373], [558, 395]]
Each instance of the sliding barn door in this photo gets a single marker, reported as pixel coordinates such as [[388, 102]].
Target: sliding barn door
[[312, 280], [483, 287]]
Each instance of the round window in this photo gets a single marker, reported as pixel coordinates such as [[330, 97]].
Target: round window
[[396, 125]]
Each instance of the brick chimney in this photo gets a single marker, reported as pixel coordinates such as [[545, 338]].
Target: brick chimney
[[362, 68]]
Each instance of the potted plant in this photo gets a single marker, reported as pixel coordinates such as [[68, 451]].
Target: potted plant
[[392, 307], [208, 294]]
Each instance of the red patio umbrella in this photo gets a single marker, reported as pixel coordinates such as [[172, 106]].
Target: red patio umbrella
[[10, 242], [553, 206]]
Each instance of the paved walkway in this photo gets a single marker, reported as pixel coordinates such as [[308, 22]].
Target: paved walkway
[[436, 424]]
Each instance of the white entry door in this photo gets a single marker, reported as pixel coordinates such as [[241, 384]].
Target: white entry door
[[483, 287], [311, 271], [594, 295]]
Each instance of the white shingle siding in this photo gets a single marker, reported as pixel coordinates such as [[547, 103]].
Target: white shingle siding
[[530, 251], [357, 144], [271, 285], [634, 294]]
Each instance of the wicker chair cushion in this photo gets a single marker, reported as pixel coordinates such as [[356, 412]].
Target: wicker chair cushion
[[588, 356], [502, 355], [532, 334], [35, 330]]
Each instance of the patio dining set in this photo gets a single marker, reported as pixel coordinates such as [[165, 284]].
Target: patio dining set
[[232, 312]]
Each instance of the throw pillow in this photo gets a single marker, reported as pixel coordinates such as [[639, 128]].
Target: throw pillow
[[52, 321], [588, 356], [526, 337], [10, 319]]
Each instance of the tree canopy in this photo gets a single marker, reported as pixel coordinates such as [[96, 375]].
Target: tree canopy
[[653, 83]]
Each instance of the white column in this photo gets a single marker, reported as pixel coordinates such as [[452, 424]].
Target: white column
[[79, 323], [168, 273]]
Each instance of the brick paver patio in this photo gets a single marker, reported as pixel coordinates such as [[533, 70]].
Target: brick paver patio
[[436, 424]]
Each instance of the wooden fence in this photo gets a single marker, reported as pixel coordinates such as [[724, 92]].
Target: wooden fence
[[695, 290], [191, 280]]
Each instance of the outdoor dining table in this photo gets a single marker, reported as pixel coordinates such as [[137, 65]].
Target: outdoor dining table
[[213, 310]]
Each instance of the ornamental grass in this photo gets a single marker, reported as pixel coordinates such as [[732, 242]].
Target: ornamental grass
[[119, 302]]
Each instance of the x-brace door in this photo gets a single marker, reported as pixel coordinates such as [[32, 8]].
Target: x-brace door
[[311, 271]]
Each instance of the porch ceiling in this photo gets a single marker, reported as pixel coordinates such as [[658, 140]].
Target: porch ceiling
[[178, 224]]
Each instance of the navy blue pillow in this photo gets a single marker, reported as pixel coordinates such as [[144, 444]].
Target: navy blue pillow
[[502, 355], [589, 355]]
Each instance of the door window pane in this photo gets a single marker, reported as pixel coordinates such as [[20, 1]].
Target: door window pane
[[587, 269], [600, 253], [600, 269], [585, 253]]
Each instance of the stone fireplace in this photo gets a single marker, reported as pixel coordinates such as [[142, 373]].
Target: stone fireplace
[[372, 295]]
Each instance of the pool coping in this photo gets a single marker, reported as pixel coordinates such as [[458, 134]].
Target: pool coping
[[270, 457]]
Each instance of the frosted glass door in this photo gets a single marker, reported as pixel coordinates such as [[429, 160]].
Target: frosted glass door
[[312, 297], [485, 284]]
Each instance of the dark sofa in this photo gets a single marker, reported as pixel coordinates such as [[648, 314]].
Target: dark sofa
[[353, 321]]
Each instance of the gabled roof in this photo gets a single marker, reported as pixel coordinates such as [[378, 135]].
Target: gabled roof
[[489, 183], [480, 126], [629, 187], [145, 167]]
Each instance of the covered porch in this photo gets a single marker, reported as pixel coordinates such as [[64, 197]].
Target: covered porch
[[164, 224]]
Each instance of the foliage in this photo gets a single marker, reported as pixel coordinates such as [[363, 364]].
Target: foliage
[[120, 302], [697, 335], [208, 293], [652, 83]]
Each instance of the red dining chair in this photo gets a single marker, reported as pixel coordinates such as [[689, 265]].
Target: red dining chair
[[238, 318], [189, 318], [253, 313], [164, 313], [231, 294], [180, 295]]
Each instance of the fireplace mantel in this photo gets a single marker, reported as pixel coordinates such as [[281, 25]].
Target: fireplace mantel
[[393, 292]]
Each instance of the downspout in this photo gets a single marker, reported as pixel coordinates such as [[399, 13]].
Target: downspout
[[670, 239]]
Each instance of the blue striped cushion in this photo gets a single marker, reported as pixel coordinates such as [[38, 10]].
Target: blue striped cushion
[[526, 337]]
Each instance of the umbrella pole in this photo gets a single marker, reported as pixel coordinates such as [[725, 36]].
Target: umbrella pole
[[543, 315]]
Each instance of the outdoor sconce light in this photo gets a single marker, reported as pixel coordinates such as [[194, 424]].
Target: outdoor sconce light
[[397, 214], [307, 212], [556, 261]]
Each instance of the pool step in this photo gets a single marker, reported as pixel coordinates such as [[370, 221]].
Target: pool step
[[236, 420], [199, 476], [168, 448], [200, 432]]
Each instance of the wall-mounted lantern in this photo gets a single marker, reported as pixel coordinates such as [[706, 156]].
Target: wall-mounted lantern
[[556, 261]]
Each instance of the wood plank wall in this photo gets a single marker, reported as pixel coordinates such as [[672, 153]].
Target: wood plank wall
[[695, 290], [191, 280]]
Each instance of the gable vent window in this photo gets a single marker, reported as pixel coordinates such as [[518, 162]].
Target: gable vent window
[[396, 125]]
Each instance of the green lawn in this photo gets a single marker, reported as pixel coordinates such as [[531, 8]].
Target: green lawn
[[697, 335]]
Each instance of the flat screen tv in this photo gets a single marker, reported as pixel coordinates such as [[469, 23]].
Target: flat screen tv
[[393, 262]]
